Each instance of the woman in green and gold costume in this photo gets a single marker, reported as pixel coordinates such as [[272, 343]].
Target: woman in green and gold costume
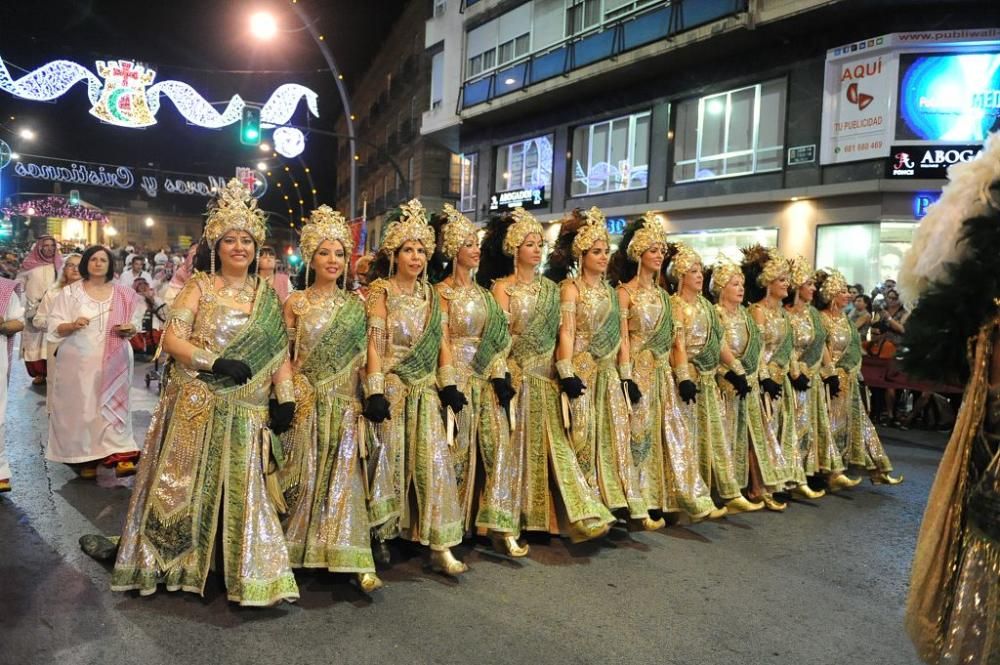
[[699, 353], [590, 341], [669, 478], [323, 479], [853, 431], [411, 471], [766, 279], [556, 495], [208, 463], [812, 374], [487, 463]]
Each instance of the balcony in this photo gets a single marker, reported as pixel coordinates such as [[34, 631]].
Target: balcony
[[630, 33]]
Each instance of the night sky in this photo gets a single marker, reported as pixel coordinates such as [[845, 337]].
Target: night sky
[[204, 44]]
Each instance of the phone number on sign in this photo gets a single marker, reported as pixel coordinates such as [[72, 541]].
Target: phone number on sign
[[861, 147]]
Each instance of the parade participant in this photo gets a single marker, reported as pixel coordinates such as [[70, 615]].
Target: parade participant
[[181, 275], [38, 272], [756, 450], [11, 323], [587, 353], [815, 381], [556, 495], [136, 269], [953, 335], [69, 274], [206, 470], [699, 353], [266, 268], [766, 278], [91, 321], [323, 481], [853, 431], [412, 480], [668, 472], [487, 465]]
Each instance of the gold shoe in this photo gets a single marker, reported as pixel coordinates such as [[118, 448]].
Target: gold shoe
[[5, 485], [646, 524], [123, 469], [88, 472], [742, 505], [714, 514], [505, 543], [581, 532], [773, 504], [878, 479], [805, 492], [444, 562], [842, 481], [369, 582]]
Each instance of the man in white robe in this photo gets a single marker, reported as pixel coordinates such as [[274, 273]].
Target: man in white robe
[[39, 271]]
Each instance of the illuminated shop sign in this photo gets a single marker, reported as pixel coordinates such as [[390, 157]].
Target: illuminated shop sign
[[927, 161], [616, 225], [531, 197], [948, 97], [923, 201]]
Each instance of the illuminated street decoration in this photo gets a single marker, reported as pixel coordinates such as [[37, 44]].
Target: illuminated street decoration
[[124, 95], [56, 207], [288, 142]]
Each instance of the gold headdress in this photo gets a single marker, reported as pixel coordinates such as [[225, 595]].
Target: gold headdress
[[593, 230], [235, 208], [524, 225], [833, 285], [800, 272], [325, 223], [455, 232], [411, 225], [683, 260], [649, 234], [725, 269]]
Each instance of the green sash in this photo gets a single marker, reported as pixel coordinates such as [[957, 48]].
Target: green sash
[[662, 337], [495, 337], [540, 336], [342, 341], [608, 336], [423, 357], [814, 351], [708, 358], [782, 355], [751, 355], [851, 358]]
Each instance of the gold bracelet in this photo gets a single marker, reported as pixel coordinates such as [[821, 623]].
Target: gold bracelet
[[565, 368], [827, 371], [375, 384], [285, 391], [447, 376], [737, 368], [625, 371], [203, 360], [682, 373]]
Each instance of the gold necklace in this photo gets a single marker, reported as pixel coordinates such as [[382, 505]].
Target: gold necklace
[[317, 296], [242, 293]]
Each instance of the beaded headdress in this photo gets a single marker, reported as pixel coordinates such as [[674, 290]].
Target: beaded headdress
[[683, 260], [650, 233], [775, 266], [324, 224], [455, 232], [234, 209], [725, 269], [833, 285], [800, 272], [592, 231], [524, 225], [411, 225]]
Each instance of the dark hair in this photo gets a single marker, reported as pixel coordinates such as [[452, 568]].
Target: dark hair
[[493, 262], [89, 253], [561, 259], [267, 248], [438, 265], [621, 268], [868, 301], [203, 257], [298, 280], [888, 291], [819, 302], [667, 281]]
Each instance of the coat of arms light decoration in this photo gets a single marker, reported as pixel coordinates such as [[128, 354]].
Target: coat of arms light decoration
[[122, 93]]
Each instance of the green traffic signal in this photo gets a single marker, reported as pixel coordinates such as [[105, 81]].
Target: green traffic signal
[[74, 197], [250, 126]]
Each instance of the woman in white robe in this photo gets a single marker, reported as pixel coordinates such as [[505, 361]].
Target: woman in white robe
[[11, 323]]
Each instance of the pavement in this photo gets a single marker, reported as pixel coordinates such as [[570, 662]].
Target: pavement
[[823, 583]]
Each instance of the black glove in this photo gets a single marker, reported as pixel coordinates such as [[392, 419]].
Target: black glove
[[739, 382], [572, 386], [833, 383], [634, 394], [451, 396], [281, 416], [376, 408], [504, 390], [771, 387], [801, 383], [688, 390], [237, 370]]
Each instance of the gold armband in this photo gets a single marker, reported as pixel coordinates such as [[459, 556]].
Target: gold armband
[[375, 384], [285, 391], [565, 368], [826, 371], [737, 368], [447, 376], [181, 322], [625, 371], [682, 373], [203, 360]]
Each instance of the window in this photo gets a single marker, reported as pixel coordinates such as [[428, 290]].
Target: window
[[582, 16], [524, 164], [437, 79], [737, 132], [498, 41], [867, 253], [513, 49], [714, 245], [440, 8], [611, 156], [462, 180], [616, 8]]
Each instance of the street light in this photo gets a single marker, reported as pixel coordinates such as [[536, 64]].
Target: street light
[[265, 147], [27, 134], [261, 166], [149, 222], [15, 156], [263, 25]]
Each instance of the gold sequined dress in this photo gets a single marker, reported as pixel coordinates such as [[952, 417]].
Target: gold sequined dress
[[668, 470], [600, 416], [202, 474]]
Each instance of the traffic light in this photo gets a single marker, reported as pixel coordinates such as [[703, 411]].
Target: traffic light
[[74, 197], [250, 126]]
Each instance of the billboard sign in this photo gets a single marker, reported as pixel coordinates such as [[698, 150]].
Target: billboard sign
[[922, 161]]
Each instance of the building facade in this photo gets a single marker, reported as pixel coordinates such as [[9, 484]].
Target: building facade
[[823, 127]]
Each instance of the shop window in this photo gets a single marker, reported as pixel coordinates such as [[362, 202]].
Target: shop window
[[737, 132], [611, 156], [524, 164], [462, 180], [714, 245], [866, 253]]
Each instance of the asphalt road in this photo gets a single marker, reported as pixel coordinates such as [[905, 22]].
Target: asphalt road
[[823, 583]]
